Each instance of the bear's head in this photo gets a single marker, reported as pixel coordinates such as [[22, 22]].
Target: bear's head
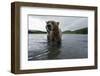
[[52, 25]]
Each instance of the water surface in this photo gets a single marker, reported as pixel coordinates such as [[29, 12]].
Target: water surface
[[74, 46]]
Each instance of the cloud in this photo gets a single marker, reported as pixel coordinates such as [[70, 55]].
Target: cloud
[[38, 22]]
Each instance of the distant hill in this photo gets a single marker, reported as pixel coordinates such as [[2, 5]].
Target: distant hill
[[79, 31], [36, 32], [68, 31]]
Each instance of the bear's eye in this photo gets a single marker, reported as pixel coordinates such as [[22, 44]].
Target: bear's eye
[[53, 23]]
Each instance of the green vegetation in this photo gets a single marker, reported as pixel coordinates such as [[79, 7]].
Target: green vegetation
[[79, 31], [36, 32]]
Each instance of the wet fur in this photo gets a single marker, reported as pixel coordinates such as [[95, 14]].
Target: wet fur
[[54, 35]]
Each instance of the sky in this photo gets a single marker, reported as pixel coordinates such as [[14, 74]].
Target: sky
[[38, 22]]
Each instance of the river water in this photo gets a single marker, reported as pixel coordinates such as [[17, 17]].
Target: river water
[[74, 46]]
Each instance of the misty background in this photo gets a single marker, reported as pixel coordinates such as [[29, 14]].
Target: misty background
[[38, 22]]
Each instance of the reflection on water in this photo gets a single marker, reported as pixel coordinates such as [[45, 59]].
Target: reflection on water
[[54, 51], [73, 46]]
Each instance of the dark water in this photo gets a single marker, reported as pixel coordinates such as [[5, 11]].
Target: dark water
[[74, 46]]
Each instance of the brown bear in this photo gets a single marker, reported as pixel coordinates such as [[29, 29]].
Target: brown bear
[[53, 32]]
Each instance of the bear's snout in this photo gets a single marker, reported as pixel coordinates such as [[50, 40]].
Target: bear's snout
[[49, 27]]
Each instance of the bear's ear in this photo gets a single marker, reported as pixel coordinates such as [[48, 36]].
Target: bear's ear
[[57, 23], [47, 22]]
